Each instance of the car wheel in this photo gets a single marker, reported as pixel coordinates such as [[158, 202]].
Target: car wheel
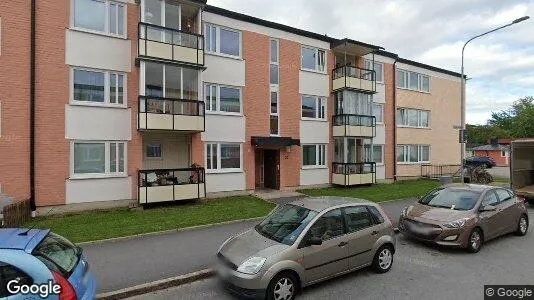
[[475, 241], [383, 259], [283, 286], [522, 226]]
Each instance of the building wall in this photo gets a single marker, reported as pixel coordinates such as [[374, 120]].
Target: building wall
[[500, 160], [15, 98], [444, 106], [389, 121]]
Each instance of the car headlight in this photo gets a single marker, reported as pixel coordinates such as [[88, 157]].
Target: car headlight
[[456, 224], [252, 265]]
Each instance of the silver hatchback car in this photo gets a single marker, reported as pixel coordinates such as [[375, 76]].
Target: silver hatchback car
[[305, 242]]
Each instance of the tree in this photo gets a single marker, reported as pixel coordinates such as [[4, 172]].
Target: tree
[[481, 134], [518, 121]]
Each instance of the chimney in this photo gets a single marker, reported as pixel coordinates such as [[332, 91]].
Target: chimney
[[494, 141]]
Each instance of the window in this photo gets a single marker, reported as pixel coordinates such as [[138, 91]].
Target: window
[[376, 156], [103, 158], [503, 195], [413, 81], [169, 81], [222, 98], [378, 216], [378, 67], [274, 116], [378, 112], [329, 226], [223, 40], [413, 118], [58, 252], [490, 199], [357, 218], [313, 59], [314, 155], [274, 62], [154, 151], [98, 87], [91, 15], [313, 107], [274, 113], [223, 156], [413, 154], [9, 273]]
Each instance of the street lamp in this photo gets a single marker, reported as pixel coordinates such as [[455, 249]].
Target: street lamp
[[463, 85]]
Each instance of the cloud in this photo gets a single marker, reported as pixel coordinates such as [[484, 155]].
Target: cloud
[[431, 32]]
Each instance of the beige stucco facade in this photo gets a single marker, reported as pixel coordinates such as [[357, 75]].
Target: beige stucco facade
[[444, 105]]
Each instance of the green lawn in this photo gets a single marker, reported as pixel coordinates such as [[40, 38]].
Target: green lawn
[[379, 192], [98, 225]]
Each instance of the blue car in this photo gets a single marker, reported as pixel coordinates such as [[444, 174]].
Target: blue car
[[39, 264]]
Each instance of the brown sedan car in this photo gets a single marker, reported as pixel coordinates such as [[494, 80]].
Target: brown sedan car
[[464, 215]]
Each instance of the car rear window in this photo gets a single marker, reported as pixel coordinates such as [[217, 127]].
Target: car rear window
[[60, 252]]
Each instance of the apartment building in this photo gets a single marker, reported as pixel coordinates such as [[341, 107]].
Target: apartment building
[[158, 100]]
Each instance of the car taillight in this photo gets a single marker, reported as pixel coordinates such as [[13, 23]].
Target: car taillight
[[67, 291]]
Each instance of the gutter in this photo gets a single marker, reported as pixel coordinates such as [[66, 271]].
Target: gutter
[[32, 110]]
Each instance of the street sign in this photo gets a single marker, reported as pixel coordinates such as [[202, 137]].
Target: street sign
[[463, 136]]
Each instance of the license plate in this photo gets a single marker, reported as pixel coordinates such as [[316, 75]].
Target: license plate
[[420, 230]]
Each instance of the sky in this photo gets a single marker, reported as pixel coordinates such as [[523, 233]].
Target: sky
[[500, 65]]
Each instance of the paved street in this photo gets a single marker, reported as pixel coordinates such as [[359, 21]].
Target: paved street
[[127, 263], [500, 172], [419, 272]]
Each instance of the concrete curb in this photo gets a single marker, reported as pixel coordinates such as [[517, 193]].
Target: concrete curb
[[129, 237], [156, 285]]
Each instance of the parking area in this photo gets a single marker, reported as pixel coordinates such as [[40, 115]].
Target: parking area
[[419, 272], [500, 172]]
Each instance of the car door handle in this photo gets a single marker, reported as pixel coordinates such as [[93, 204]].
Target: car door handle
[[374, 232], [342, 244]]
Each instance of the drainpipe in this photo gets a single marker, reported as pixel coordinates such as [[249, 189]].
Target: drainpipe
[[395, 120], [32, 110]]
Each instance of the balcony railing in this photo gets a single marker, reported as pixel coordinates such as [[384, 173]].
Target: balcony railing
[[164, 185], [157, 113], [354, 125], [169, 44], [353, 173], [354, 78]]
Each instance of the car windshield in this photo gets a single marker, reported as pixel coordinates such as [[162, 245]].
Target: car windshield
[[286, 223], [457, 199], [57, 250]]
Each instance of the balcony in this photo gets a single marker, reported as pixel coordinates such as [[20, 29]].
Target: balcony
[[170, 45], [347, 174], [157, 113], [168, 185], [354, 125], [354, 78]]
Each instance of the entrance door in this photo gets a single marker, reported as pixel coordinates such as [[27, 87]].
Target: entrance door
[[271, 169]]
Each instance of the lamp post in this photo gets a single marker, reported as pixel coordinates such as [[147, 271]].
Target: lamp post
[[463, 86]]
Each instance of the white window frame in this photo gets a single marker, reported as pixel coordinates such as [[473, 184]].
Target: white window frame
[[219, 169], [217, 111], [406, 75], [419, 155], [367, 159], [320, 149], [142, 83], [107, 99], [218, 41], [106, 31], [274, 87], [318, 66], [107, 160], [321, 113], [153, 158], [369, 62], [404, 121], [277, 114], [381, 105]]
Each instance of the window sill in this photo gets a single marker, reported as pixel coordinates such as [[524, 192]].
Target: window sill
[[84, 30], [417, 91], [380, 124], [313, 119], [220, 113], [98, 104], [224, 171], [225, 55], [314, 168], [313, 71], [413, 163], [97, 176], [414, 127]]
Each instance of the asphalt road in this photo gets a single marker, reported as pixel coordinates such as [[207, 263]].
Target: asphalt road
[[500, 172], [123, 264], [418, 272]]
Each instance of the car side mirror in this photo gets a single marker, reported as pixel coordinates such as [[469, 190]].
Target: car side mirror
[[315, 241], [488, 208]]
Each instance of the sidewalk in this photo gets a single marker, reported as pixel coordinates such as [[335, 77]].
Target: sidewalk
[[125, 263]]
